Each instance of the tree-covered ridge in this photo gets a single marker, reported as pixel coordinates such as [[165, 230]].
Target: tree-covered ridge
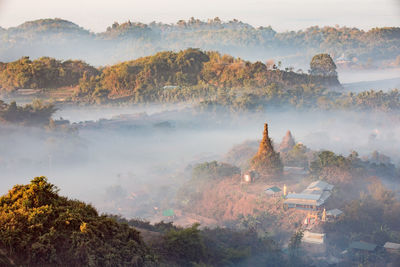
[[39, 227], [44, 72], [209, 79], [49, 25], [146, 76], [124, 41]]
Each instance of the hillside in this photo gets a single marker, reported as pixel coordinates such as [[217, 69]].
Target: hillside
[[166, 76], [58, 38], [358, 192], [41, 228]]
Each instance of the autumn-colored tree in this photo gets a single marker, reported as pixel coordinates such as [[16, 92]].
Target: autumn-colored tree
[[323, 65], [41, 228]]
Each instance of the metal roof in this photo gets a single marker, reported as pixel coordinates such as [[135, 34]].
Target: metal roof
[[303, 196], [274, 189], [322, 185], [362, 246], [334, 212], [168, 213], [391, 245]]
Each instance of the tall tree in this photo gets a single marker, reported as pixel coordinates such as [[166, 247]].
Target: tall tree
[[323, 65]]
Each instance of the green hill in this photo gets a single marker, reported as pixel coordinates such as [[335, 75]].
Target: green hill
[[39, 228]]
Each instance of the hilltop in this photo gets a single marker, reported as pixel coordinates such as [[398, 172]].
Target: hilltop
[[168, 76], [349, 46]]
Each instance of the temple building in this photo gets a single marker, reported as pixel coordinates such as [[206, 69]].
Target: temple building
[[311, 198]]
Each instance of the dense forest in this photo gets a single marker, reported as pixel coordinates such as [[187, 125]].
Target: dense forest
[[36, 113], [125, 41], [211, 80], [41, 228], [165, 76]]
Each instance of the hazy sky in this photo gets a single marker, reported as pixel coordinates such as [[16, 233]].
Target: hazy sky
[[96, 15]]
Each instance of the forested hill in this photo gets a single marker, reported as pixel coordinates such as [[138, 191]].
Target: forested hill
[[148, 76], [126, 41], [42, 228], [209, 79]]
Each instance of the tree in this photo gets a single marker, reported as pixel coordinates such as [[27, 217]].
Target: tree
[[295, 242], [41, 228], [323, 65], [294, 247]]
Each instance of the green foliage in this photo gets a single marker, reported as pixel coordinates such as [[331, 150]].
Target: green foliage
[[297, 156], [211, 80], [218, 247], [227, 247], [134, 39], [140, 77], [44, 72], [39, 227], [373, 217], [295, 242], [295, 258], [214, 170], [323, 65], [328, 159], [184, 246], [36, 113]]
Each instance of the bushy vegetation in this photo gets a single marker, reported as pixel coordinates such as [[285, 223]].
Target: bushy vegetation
[[211, 247], [213, 81], [44, 72], [39, 227], [37, 113], [191, 75], [214, 170], [323, 65], [298, 156], [327, 159], [338, 169], [373, 217]]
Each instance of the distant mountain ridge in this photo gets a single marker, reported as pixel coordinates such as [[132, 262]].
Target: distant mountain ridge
[[126, 41]]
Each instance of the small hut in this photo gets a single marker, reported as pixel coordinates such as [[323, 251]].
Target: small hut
[[273, 191]]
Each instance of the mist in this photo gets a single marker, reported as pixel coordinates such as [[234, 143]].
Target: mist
[[134, 166]]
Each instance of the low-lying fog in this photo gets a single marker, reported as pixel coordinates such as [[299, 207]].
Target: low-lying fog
[[130, 168]]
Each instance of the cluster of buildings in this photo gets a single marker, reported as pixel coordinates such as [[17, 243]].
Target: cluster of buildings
[[311, 198]]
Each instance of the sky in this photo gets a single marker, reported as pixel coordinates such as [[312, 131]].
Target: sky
[[282, 15]]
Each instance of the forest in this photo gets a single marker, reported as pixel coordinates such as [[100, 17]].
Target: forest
[[210, 80], [377, 47]]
